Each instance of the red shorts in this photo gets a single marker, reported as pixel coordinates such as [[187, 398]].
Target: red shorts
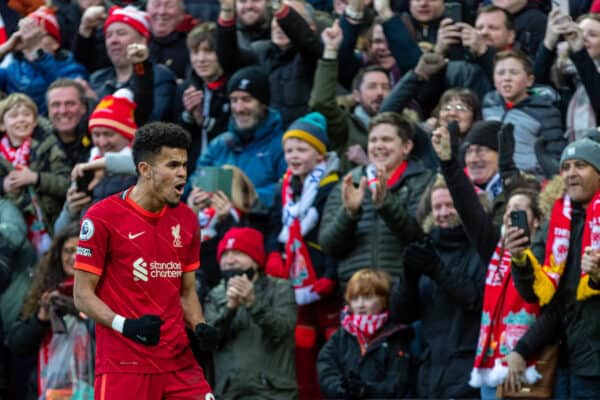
[[188, 384]]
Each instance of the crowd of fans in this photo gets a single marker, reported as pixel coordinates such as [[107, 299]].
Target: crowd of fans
[[380, 154]]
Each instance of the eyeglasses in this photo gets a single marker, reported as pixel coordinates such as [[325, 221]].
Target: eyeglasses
[[480, 151], [457, 107]]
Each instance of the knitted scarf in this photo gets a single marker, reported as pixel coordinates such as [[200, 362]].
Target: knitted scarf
[[208, 221], [364, 327], [505, 317], [18, 157], [298, 218], [547, 277], [372, 178]]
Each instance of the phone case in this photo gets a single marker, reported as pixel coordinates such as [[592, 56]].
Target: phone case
[[213, 179]]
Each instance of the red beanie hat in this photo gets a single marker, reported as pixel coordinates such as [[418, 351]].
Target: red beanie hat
[[46, 18], [115, 112], [247, 240], [131, 16]]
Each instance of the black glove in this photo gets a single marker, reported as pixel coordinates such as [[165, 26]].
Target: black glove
[[506, 151], [422, 257], [144, 330], [454, 131], [207, 338], [354, 386]]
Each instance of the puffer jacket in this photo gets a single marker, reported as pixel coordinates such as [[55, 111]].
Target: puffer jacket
[[448, 301], [386, 367], [261, 157], [255, 358], [379, 236], [534, 118], [48, 160]]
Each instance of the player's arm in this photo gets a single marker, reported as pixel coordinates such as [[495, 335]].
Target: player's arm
[[192, 310], [86, 301]]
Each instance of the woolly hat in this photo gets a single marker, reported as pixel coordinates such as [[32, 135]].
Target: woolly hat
[[115, 112], [584, 149], [252, 80], [46, 18], [131, 16], [484, 133], [247, 240], [311, 128]]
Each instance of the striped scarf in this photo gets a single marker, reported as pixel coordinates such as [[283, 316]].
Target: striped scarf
[[364, 327]]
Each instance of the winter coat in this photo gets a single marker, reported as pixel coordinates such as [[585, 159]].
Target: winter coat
[[530, 26], [448, 301], [534, 118], [378, 237], [104, 82], [291, 70], [261, 158], [255, 358], [48, 160], [13, 230], [215, 123], [171, 50], [18, 74], [386, 367]]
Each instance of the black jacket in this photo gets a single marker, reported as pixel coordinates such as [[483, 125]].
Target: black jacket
[[386, 367], [448, 302]]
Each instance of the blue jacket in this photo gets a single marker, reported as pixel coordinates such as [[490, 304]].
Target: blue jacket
[[261, 158], [17, 74]]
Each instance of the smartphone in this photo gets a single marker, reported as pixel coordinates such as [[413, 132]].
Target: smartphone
[[83, 181], [454, 11], [562, 5], [518, 219], [213, 179]]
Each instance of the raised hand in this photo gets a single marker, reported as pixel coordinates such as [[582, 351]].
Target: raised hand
[[93, 17], [352, 197]]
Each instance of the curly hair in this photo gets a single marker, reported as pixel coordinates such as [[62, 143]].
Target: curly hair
[[150, 138], [49, 273]]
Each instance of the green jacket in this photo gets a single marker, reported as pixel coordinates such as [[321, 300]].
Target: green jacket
[[379, 236], [48, 159], [343, 128], [255, 359]]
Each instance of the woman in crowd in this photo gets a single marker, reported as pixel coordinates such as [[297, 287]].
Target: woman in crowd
[[51, 327], [368, 356]]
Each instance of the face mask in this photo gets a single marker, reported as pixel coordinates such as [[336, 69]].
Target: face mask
[[230, 273]]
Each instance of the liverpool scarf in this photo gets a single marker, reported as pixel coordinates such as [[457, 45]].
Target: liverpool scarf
[[18, 157], [547, 276], [505, 317], [363, 326]]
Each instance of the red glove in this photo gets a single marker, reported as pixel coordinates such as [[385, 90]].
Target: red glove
[[324, 287], [274, 266]]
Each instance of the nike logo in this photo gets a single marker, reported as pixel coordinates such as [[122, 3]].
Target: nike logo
[[133, 236]]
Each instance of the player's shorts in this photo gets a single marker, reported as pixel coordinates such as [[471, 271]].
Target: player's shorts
[[185, 384]]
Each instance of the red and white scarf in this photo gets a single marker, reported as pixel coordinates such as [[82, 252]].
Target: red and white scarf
[[547, 277], [505, 317], [372, 177], [208, 221], [363, 326], [18, 157]]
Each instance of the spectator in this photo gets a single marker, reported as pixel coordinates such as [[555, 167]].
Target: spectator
[[530, 110], [112, 128], [289, 58], [254, 315], [202, 104], [571, 295], [67, 109], [529, 23], [369, 216], [498, 333], [346, 368], [124, 28], [253, 141], [32, 168], [253, 22], [423, 20], [347, 131], [442, 286], [217, 214], [51, 326], [299, 204], [37, 59]]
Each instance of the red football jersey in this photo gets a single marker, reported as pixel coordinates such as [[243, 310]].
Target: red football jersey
[[140, 257]]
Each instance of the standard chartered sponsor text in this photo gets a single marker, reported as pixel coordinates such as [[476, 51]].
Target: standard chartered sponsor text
[[169, 269]]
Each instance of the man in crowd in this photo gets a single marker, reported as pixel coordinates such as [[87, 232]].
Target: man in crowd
[[254, 315]]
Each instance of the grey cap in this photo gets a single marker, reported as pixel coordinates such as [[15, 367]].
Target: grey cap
[[584, 149]]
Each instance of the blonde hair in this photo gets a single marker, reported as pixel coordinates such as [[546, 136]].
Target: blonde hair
[[369, 282], [243, 193], [15, 99]]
